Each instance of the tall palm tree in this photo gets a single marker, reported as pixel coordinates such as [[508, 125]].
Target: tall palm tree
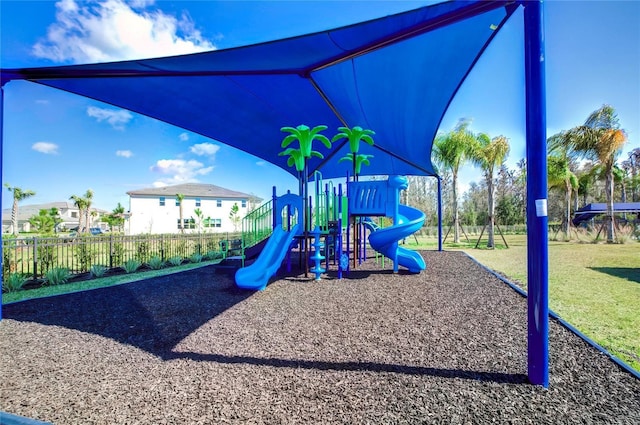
[[489, 154], [18, 195], [88, 197], [451, 150], [601, 139], [560, 160], [180, 198], [80, 203], [559, 174]]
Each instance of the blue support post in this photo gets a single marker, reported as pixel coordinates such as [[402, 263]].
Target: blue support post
[[439, 213], [537, 222], [1, 149]]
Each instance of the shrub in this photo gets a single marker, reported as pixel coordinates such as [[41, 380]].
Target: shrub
[[143, 251], [624, 234], [175, 261], [213, 255], [117, 254], [84, 255], [155, 262], [57, 276], [14, 282], [131, 265], [98, 270], [195, 258]]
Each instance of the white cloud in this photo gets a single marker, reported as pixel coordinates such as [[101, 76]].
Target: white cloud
[[117, 118], [261, 163], [112, 30], [183, 137], [45, 147], [201, 149], [42, 102], [124, 154], [179, 171]]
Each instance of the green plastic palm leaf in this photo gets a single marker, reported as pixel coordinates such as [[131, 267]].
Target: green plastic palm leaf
[[295, 158], [360, 159], [305, 137], [354, 136]]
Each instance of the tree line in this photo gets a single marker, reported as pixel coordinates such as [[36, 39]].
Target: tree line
[[583, 167], [47, 220]]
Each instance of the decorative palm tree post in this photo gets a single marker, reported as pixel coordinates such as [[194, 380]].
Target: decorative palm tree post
[[180, 198], [18, 195], [489, 154], [354, 136], [601, 139], [298, 158]]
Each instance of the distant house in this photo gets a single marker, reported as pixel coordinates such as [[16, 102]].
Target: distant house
[[157, 209], [67, 211]]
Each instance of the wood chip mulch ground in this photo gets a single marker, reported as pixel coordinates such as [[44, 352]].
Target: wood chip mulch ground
[[445, 346]]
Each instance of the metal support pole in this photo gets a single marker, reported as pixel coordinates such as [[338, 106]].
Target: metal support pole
[[1, 149], [537, 222], [439, 213]]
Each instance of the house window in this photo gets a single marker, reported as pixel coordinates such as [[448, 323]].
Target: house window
[[244, 203], [177, 202], [218, 202], [74, 214], [162, 201], [187, 223], [212, 222], [198, 202], [179, 225]]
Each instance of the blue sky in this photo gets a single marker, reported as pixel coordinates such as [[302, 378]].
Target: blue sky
[[59, 144]]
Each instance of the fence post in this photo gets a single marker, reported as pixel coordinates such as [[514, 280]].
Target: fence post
[[111, 251], [35, 258]]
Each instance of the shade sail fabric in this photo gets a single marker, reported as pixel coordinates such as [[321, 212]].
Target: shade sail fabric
[[395, 75]]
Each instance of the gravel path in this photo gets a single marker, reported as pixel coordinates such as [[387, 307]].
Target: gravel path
[[445, 346]]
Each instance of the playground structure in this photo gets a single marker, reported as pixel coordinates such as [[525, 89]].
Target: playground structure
[[326, 229]]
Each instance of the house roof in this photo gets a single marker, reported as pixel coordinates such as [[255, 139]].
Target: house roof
[[191, 190], [395, 75]]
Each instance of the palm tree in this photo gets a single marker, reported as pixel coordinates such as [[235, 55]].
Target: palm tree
[[18, 195], [601, 139], [489, 154], [81, 204], [451, 150], [559, 174], [88, 197], [560, 160], [180, 198]]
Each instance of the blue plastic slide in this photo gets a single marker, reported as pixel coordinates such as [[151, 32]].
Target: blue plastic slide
[[257, 275], [385, 240]]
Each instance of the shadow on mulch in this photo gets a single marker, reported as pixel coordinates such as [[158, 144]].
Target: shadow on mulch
[[501, 378], [153, 315], [156, 314]]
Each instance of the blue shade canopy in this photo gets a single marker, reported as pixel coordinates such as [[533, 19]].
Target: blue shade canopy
[[395, 75]]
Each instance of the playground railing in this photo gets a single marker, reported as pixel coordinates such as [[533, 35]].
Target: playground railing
[[257, 225]]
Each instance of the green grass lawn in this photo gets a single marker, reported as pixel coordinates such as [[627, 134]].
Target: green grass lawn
[[595, 287]]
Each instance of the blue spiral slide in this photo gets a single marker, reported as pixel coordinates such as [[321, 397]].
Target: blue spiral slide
[[257, 275], [385, 240]]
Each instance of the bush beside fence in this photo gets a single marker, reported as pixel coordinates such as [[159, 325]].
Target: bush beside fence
[[33, 257]]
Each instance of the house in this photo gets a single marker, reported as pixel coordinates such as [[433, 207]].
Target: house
[[157, 209], [67, 211]]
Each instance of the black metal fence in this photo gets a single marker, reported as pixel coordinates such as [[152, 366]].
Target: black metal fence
[[32, 257]]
